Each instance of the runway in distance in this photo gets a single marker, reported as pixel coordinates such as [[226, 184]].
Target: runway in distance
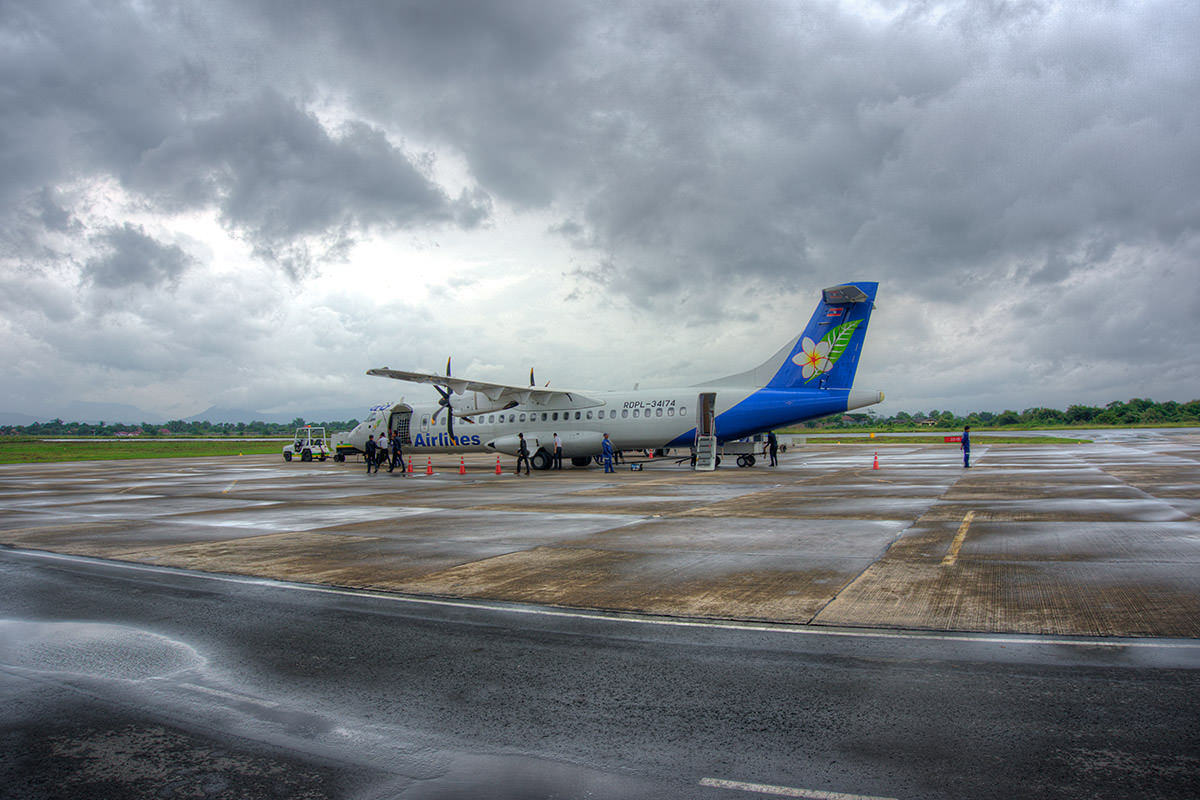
[[811, 376]]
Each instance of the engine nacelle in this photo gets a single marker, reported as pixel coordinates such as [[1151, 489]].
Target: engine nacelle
[[576, 444]]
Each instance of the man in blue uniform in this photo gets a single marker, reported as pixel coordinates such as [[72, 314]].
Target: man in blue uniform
[[522, 453], [608, 454], [966, 446], [372, 449], [397, 455]]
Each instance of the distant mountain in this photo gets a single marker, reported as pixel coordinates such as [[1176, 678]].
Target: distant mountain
[[89, 413], [234, 415], [92, 413], [111, 413], [13, 418], [216, 414]]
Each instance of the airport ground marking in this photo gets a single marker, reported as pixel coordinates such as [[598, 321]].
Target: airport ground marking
[[952, 554], [785, 791], [228, 488], [631, 618]]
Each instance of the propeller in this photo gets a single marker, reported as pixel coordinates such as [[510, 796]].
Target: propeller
[[445, 403]]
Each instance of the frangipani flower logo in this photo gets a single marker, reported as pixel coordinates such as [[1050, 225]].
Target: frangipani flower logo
[[817, 358], [814, 360]]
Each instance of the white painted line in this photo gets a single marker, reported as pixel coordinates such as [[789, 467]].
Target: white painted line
[[237, 698], [783, 629], [786, 791], [952, 555]]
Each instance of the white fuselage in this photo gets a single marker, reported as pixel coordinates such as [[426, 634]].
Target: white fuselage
[[634, 420]]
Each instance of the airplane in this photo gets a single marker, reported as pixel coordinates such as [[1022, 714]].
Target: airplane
[[809, 377]]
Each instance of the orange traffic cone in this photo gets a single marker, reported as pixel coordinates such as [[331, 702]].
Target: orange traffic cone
[[876, 462], [410, 465], [428, 465], [462, 466], [498, 470]]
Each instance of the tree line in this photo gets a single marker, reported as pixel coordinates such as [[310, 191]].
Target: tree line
[[1137, 411], [175, 427], [1117, 413]]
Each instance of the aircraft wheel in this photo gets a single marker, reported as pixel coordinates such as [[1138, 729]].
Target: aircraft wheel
[[541, 460], [580, 461], [287, 455]]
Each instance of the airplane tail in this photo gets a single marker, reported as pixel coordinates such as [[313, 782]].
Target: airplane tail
[[825, 355]]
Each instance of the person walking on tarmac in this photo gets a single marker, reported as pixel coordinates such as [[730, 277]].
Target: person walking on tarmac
[[372, 450], [522, 453], [397, 455], [966, 446], [773, 448], [607, 446], [557, 451]]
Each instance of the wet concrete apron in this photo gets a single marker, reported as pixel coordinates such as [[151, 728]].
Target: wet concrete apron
[[1096, 539]]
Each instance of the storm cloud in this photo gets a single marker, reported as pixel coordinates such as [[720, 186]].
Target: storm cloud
[[645, 192]]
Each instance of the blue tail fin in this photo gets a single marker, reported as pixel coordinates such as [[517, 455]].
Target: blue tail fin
[[826, 354]]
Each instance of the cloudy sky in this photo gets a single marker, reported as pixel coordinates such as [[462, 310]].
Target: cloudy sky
[[249, 204]]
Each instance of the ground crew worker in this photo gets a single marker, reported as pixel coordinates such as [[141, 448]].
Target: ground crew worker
[[773, 448], [522, 453], [557, 452], [371, 451], [397, 455], [608, 454]]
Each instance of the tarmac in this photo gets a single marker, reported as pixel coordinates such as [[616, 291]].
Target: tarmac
[[1099, 539]]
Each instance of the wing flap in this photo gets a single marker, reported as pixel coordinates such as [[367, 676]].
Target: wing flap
[[495, 392]]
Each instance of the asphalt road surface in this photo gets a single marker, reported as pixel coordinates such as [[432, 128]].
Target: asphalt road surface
[[128, 681], [245, 628]]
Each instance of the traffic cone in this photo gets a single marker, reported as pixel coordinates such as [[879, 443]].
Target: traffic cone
[[462, 466], [428, 465], [498, 470], [876, 462], [410, 465]]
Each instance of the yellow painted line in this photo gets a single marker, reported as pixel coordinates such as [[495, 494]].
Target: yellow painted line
[[952, 555], [227, 488]]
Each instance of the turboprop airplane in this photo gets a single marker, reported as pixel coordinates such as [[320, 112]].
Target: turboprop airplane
[[811, 376]]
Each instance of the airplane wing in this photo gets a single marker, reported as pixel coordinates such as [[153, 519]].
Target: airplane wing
[[497, 393]]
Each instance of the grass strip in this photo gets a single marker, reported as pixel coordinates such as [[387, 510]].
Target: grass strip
[[27, 450]]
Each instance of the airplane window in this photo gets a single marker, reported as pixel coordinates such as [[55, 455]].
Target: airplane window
[[522, 418], [636, 414], [543, 416], [578, 415], [589, 415], [671, 411], [683, 411], [624, 413], [612, 414], [554, 416], [658, 412]]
